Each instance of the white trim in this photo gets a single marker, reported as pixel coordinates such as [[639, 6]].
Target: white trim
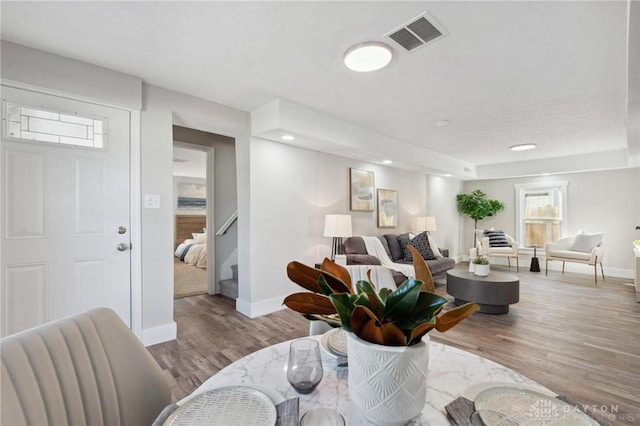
[[519, 201], [258, 309], [136, 225], [159, 334]]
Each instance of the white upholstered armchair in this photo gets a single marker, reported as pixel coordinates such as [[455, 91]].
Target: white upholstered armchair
[[579, 248], [487, 248]]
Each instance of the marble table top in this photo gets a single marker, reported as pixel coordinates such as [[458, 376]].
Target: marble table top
[[452, 373]]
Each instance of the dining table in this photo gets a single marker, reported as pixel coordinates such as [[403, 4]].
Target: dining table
[[452, 373]]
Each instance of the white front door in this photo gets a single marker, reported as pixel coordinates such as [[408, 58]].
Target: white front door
[[64, 209]]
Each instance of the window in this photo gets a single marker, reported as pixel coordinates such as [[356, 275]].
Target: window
[[541, 212], [35, 124]]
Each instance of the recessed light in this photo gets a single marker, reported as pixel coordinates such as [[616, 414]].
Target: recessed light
[[447, 175], [441, 123], [387, 162], [522, 147], [368, 56], [287, 137]]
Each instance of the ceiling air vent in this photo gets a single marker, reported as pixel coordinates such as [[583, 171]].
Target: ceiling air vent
[[416, 33]]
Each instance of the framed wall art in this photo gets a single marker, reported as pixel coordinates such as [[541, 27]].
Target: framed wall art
[[387, 208], [192, 196], [362, 190]]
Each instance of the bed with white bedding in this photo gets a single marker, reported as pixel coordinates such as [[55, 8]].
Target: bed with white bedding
[[193, 251]]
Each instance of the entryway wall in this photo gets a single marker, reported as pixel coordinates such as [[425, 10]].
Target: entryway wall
[[225, 195]]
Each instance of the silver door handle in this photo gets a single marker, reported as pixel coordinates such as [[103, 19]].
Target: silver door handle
[[123, 247]]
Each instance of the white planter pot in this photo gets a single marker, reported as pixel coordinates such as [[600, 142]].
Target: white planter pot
[[388, 383], [481, 270]]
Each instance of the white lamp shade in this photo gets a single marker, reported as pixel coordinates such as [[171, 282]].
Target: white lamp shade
[[337, 225], [426, 223]]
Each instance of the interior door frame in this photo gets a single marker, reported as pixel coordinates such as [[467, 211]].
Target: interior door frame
[[135, 217], [211, 240]]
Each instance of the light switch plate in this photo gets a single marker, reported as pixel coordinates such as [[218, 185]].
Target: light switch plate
[[151, 201]]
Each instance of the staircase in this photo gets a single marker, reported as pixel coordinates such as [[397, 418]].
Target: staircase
[[229, 288]]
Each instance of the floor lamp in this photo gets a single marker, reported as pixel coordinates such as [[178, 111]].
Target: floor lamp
[[337, 226]]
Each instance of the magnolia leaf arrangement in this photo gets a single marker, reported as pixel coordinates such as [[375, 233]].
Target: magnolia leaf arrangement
[[387, 317]]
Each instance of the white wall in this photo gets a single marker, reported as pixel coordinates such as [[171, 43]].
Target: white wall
[[441, 203], [292, 189], [161, 110], [606, 201]]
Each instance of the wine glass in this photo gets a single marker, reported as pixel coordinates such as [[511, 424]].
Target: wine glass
[[304, 370]]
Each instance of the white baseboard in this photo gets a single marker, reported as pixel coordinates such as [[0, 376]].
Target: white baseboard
[[162, 333], [555, 265], [258, 309]]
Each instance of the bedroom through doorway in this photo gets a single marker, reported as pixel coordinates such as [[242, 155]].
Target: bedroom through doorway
[[190, 211]]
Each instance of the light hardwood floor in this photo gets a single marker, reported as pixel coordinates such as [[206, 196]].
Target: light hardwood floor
[[579, 340]]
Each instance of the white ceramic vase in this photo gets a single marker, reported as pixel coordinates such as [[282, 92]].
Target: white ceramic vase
[[388, 383], [481, 270]]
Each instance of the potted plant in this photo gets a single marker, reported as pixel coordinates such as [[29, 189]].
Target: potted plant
[[386, 333], [637, 242], [481, 266], [477, 206]]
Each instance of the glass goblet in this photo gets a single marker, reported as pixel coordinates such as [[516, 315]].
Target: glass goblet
[[304, 369]]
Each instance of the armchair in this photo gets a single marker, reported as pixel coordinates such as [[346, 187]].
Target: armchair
[[579, 248], [508, 249]]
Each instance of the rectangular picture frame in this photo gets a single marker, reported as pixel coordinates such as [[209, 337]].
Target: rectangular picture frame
[[192, 196], [362, 192], [387, 208]]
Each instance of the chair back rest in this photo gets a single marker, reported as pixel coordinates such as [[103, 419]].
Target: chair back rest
[[88, 369]]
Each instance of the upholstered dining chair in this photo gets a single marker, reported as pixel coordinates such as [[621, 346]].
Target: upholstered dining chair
[[88, 369], [380, 276]]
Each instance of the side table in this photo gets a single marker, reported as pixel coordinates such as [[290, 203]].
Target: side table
[[535, 265]]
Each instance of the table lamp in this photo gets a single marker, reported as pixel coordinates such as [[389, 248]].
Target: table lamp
[[426, 223], [337, 226]]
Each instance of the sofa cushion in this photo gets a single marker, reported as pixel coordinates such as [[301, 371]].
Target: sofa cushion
[[420, 242], [585, 242], [395, 249], [497, 238]]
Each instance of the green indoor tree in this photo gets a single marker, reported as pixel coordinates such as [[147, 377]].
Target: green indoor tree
[[477, 206]]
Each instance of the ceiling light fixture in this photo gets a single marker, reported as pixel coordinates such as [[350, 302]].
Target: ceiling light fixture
[[387, 162], [442, 123], [368, 56], [287, 137], [522, 147]]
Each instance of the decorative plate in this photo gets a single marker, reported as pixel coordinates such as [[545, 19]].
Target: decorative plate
[[516, 406], [230, 406], [338, 342]]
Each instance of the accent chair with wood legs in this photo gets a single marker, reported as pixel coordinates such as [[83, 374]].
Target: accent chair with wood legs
[[579, 248]]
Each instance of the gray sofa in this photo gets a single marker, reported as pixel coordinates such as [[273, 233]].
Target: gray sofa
[[356, 253]]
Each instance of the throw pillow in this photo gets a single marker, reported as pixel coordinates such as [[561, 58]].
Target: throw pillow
[[497, 238], [585, 242], [420, 242]]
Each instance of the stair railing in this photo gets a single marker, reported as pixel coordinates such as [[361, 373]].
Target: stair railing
[[227, 224]]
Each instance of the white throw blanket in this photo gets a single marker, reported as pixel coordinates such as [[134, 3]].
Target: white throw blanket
[[375, 248]]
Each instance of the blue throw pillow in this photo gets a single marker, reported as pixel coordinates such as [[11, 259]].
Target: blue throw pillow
[[420, 242]]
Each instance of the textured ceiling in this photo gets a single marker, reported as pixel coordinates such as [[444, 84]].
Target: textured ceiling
[[549, 73]]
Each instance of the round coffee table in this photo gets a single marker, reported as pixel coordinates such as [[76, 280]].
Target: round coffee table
[[493, 293]]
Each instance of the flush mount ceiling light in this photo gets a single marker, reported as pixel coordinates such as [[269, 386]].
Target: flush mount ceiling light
[[368, 56], [522, 147], [387, 162], [287, 137]]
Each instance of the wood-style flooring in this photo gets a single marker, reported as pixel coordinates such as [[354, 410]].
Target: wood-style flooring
[[577, 339]]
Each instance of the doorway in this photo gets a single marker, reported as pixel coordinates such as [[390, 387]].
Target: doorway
[[192, 207]]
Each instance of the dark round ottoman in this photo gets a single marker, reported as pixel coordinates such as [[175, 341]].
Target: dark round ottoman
[[493, 293]]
